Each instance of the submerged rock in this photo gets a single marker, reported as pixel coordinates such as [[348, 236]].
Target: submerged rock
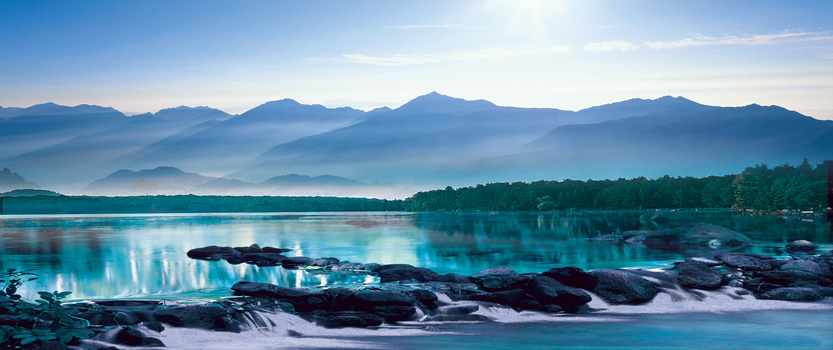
[[696, 236], [802, 245], [403, 272], [623, 287]]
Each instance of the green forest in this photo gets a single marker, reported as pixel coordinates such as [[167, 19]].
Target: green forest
[[760, 188]]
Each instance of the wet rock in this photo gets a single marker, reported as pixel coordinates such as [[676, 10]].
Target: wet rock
[[381, 298], [758, 285], [275, 250], [302, 299], [547, 290], [324, 262], [697, 275], [212, 253], [296, 261], [498, 283], [349, 319], [793, 294], [571, 276], [453, 278], [806, 266], [425, 297], [262, 258], [748, 262], [193, 316], [254, 248], [52, 345], [133, 337], [494, 272], [460, 310], [515, 298], [787, 277], [404, 272], [458, 318], [338, 298], [696, 236], [623, 287], [802, 246]]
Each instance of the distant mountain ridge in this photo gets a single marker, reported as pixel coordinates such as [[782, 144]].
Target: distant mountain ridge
[[432, 141], [10, 181]]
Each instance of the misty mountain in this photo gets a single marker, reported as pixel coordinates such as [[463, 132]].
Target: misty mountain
[[10, 180], [161, 180], [183, 113], [9, 112], [236, 141], [435, 136], [697, 141], [304, 180], [29, 193]]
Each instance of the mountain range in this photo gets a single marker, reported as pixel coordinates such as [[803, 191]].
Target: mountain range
[[432, 141]]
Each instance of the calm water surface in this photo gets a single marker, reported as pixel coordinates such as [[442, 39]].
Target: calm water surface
[[107, 256]]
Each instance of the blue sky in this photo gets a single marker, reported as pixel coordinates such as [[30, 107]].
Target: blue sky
[[142, 56]]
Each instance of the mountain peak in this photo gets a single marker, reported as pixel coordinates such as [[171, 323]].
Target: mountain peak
[[435, 102]]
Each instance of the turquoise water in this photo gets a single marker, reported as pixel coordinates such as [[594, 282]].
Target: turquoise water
[[141, 256], [107, 256]]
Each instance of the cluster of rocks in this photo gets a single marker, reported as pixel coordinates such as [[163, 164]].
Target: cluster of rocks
[[411, 293]]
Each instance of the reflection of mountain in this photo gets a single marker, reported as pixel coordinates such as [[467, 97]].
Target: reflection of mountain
[[429, 142]]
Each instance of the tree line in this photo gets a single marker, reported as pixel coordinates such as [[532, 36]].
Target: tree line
[[784, 187]]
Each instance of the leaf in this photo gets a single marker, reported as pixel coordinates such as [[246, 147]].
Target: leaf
[[63, 294], [28, 340], [46, 295], [66, 338], [33, 278], [82, 333]]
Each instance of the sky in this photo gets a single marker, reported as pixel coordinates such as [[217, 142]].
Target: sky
[[143, 56]]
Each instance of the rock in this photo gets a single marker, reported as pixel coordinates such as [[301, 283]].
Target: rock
[[623, 287], [453, 278], [758, 285], [571, 276], [806, 266], [338, 298], [254, 248], [697, 236], [349, 319], [302, 299], [707, 261], [365, 299], [404, 272], [793, 294], [786, 277], [549, 291], [294, 262], [748, 262], [425, 297], [458, 318], [802, 246], [498, 283], [275, 250], [494, 272], [133, 337], [212, 253], [193, 316], [324, 262], [52, 345], [697, 275], [515, 298], [460, 310]]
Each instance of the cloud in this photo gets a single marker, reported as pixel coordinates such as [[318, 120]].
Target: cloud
[[761, 39], [610, 46], [453, 56]]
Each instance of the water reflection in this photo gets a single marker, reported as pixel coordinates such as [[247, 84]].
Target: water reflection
[[144, 255]]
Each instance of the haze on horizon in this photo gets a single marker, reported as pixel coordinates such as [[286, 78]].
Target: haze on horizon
[[145, 56]]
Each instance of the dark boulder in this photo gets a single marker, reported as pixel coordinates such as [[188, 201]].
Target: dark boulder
[[364, 299], [193, 316], [425, 297], [758, 285], [793, 294], [697, 275], [571, 276], [254, 248], [212, 253], [404, 272], [262, 258], [498, 283], [338, 298], [302, 299], [133, 337], [275, 250], [460, 310], [549, 291], [349, 319], [802, 246], [787, 277], [696, 236], [324, 262], [806, 266], [623, 287], [458, 318], [453, 278], [748, 262], [493, 272], [515, 298], [296, 261]]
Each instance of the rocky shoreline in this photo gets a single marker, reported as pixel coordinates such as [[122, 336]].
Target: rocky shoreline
[[409, 293]]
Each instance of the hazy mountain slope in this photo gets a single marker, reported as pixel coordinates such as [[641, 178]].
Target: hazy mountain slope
[[10, 180], [9, 112], [191, 114], [168, 180], [695, 141], [238, 140]]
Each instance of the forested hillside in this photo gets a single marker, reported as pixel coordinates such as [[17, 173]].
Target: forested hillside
[[802, 187]]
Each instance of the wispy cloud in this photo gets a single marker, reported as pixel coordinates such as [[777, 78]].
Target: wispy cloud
[[610, 46], [453, 56], [761, 39]]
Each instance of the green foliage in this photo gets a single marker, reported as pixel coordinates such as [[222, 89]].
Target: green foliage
[[757, 188], [26, 323]]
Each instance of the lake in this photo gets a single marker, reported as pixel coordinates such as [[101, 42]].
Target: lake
[[144, 256]]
